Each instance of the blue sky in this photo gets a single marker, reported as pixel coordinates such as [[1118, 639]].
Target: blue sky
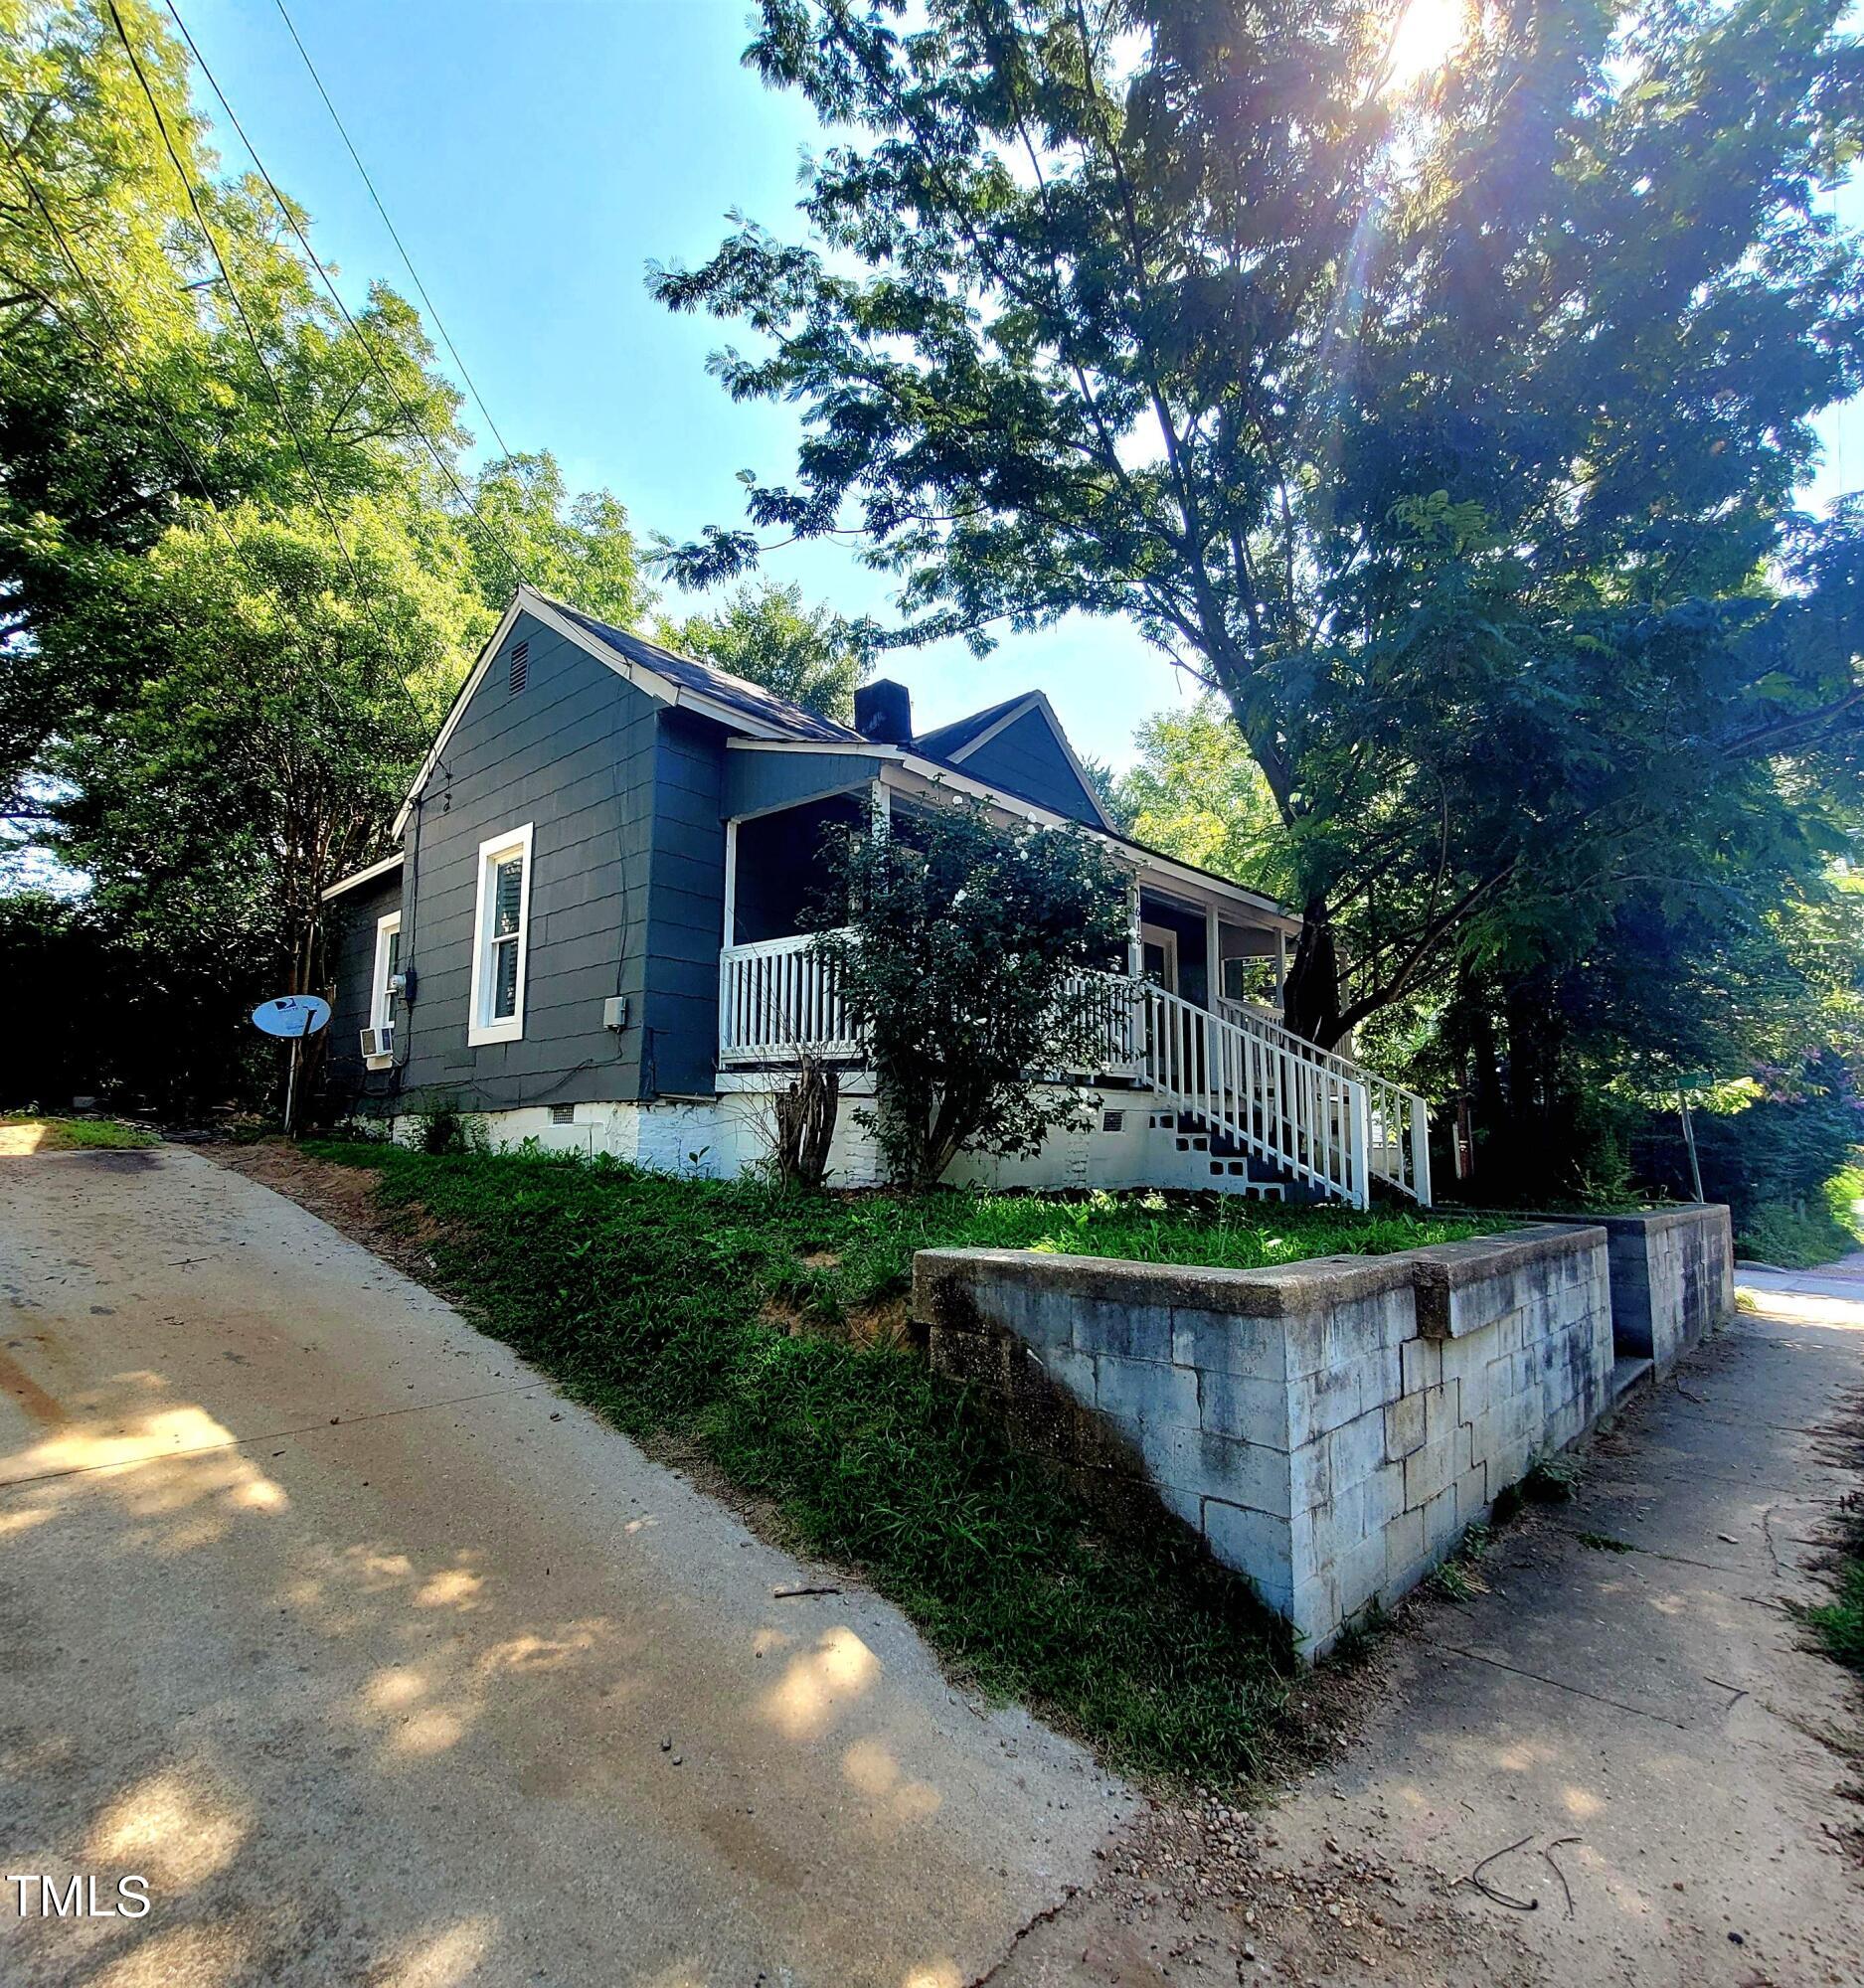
[[536, 155]]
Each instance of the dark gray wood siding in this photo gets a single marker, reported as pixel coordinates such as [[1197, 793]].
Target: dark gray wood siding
[[574, 755], [347, 1084], [755, 782], [1025, 760], [686, 907]]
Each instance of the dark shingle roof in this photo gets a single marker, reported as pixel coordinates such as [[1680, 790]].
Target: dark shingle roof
[[954, 738], [752, 700]]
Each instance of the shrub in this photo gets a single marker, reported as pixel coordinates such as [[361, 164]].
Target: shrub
[[954, 948]]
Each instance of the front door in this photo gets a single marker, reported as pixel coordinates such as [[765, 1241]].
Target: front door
[[1158, 957]]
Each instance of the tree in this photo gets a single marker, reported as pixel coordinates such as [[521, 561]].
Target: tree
[[765, 635], [580, 548], [238, 583], [1196, 794], [954, 944], [1423, 427], [287, 695]]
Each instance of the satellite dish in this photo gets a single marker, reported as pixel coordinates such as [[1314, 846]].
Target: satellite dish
[[293, 1015]]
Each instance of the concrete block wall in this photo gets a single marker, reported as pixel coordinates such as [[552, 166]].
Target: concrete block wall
[[1329, 1428], [1672, 1277]]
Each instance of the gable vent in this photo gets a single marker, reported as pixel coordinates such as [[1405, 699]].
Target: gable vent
[[520, 666]]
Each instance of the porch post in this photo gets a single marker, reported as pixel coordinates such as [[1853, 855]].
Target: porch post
[[883, 809], [1281, 968], [1135, 953], [730, 883], [1213, 960]]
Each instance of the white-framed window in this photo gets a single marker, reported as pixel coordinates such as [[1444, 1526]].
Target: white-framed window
[[387, 965], [501, 937]]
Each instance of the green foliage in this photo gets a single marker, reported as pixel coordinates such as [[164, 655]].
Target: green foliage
[[70, 1135], [579, 548], [955, 939], [1839, 1624], [660, 1304], [765, 635], [1794, 1235], [442, 1127], [1449, 437], [1196, 794], [1549, 1479], [236, 591]]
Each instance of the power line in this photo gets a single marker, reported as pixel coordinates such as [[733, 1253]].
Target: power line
[[336, 296], [233, 291], [107, 313], [434, 309]]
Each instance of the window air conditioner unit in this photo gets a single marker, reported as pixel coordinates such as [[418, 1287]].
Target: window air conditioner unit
[[378, 1042]]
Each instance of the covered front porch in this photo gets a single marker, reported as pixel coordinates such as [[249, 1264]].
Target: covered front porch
[[1191, 1014]]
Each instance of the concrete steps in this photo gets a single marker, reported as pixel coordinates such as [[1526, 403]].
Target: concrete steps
[[1628, 1371]]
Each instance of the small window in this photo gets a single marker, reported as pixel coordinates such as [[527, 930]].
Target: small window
[[387, 965], [520, 666], [501, 937], [562, 1114]]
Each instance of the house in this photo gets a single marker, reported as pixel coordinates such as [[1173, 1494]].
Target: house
[[592, 934]]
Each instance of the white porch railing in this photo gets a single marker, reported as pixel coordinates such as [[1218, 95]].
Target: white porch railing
[[777, 1002], [1323, 1117]]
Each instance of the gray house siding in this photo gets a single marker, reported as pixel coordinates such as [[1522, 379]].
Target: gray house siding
[[755, 782], [574, 755], [686, 907], [354, 958], [1024, 759]]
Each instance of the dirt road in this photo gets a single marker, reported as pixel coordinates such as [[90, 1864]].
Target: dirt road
[[383, 1664]]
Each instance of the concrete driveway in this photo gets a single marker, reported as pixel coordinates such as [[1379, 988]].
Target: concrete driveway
[[384, 1665]]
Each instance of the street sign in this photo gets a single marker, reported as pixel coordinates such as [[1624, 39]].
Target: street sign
[[293, 1015]]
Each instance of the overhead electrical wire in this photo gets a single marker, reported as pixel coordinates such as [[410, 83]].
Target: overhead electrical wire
[[336, 296], [107, 311], [434, 309], [233, 291]]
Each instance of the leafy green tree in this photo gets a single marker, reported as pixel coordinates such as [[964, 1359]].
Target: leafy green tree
[[1196, 794], [287, 694], [765, 635], [131, 381], [1448, 435], [957, 941], [580, 548]]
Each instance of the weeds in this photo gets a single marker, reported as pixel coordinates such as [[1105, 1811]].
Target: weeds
[[23, 1132], [650, 1300]]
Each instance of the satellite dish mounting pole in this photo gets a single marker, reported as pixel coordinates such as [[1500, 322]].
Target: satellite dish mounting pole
[[291, 1082]]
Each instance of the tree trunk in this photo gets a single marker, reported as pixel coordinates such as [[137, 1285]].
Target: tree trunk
[[1311, 997]]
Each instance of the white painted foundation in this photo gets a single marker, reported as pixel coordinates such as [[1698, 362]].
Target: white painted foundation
[[1127, 1142]]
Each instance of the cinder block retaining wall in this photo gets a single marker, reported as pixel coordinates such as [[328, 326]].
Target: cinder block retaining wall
[[1330, 1427], [1672, 1277]]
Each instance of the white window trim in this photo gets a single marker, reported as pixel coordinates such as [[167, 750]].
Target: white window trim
[[380, 1001], [481, 1027]]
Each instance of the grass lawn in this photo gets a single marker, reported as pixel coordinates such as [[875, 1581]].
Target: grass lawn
[[722, 1315], [21, 1133]]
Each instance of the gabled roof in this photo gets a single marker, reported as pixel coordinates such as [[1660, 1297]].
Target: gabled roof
[[955, 742], [734, 693], [728, 700], [948, 741]]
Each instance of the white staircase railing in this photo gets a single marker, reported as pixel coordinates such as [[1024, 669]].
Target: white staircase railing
[[1399, 1152], [1260, 1092], [1322, 1118]]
